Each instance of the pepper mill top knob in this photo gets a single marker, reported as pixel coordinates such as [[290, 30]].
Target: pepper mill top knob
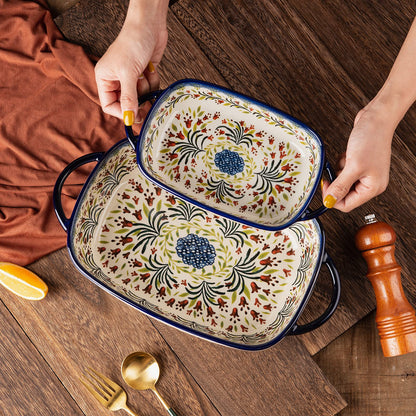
[[374, 234]]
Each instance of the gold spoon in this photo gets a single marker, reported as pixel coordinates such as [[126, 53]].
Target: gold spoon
[[140, 371]]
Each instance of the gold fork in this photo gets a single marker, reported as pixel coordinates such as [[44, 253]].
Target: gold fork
[[107, 392]]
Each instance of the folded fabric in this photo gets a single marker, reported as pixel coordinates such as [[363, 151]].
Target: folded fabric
[[50, 115]]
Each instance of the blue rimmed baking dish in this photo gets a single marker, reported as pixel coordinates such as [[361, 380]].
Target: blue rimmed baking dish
[[231, 155], [205, 274]]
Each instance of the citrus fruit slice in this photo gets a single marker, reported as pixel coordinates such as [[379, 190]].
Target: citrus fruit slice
[[22, 281]]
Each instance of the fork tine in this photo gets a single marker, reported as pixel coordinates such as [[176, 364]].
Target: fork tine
[[102, 379], [98, 385], [92, 389]]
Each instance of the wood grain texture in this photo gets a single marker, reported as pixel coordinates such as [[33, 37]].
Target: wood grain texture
[[371, 384], [293, 71], [320, 63], [266, 50], [184, 59], [93, 24], [365, 38], [279, 380], [79, 325], [28, 385]]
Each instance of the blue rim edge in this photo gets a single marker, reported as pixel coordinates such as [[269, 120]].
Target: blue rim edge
[[193, 82], [165, 320]]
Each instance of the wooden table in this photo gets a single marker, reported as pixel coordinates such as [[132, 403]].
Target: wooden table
[[320, 63]]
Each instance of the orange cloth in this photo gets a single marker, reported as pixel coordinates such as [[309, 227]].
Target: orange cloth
[[49, 116]]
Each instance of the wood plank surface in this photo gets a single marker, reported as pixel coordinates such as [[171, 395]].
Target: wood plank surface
[[319, 63], [28, 384], [79, 325], [277, 381], [283, 62], [129, 330], [244, 59], [370, 383]]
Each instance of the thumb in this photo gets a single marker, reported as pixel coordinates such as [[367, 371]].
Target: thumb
[[339, 189], [128, 99]]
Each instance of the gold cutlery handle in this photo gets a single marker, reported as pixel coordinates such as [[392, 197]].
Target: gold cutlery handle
[[130, 412]]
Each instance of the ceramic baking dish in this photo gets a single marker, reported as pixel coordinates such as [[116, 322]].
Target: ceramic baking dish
[[205, 274], [231, 155]]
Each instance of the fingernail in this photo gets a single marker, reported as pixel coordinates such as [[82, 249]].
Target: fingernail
[[151, 67], [139, 119], [322, 184], [330, 201], [141, 76], [128, 117]]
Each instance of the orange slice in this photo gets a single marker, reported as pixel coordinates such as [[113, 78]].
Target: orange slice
[[22, 281]]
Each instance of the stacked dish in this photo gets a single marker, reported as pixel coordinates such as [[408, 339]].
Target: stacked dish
[[200, 227]]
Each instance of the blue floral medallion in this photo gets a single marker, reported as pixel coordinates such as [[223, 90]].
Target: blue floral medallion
[[229, 162], [195, 251]]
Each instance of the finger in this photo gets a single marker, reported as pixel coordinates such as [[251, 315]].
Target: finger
[[338, 189], [341, 161], [153, 76], [128, 96], [353, 199], [143, 86], [143, 110], [108, 94]]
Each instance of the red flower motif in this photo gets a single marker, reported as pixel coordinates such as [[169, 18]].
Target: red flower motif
[[266, 262], [254, 287], [126, 240], [254, 314], [266, 278], [221, 302], [170, 302], [138, 214], [148, 289]]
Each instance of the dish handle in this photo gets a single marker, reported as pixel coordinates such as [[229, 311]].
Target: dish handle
[[152, 95], [309, 215], [336, 293], [57, 191]]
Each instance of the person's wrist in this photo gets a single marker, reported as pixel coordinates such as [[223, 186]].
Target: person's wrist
[[386, 109], [392, 102], [142, 13]]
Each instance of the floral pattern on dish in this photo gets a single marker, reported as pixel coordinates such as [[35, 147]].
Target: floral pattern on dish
[[233, 155], [227, 280]]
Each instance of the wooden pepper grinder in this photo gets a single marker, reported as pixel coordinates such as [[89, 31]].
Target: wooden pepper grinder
[[395, 317]]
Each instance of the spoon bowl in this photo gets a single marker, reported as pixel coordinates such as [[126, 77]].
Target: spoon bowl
[[141, 371]]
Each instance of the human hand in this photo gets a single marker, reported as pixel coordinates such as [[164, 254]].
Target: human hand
[[363, 171], [129, 67]]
